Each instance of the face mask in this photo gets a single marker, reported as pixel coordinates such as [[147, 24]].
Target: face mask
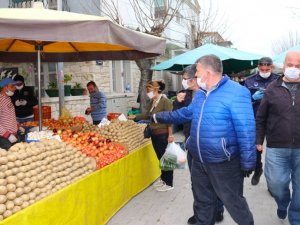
[[19, 87], [292, 73], [201, 84], [185, 84], [9, 93], [199, 81], [150, 94], [264, 75]]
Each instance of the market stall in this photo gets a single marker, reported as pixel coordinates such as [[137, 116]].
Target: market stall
[[97, 197]]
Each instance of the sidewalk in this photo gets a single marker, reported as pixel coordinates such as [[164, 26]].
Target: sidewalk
[[175, 207]]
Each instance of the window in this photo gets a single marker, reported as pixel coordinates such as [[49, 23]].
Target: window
[[48, 74], [121, 76]]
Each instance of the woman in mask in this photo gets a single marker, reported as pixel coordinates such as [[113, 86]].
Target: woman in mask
[[23, 100], [161, 134]]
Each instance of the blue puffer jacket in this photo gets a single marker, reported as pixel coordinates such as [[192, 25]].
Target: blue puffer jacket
[[223, 125]]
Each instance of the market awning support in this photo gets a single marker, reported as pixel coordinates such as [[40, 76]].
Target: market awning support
[[39, 48]]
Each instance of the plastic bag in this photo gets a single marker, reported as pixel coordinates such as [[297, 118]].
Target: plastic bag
[[65, 114], [104, 122], [174, 158]]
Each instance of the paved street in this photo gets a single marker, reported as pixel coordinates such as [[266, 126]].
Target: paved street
[[174, 207]]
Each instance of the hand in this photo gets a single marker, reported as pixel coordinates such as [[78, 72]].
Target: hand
[[131, 117], [259, 148], [12, 138], [170, 139], [21, 129], [180, 97], [246, 172], [23, 102], [258, 95], [18, 103], [88, 111]]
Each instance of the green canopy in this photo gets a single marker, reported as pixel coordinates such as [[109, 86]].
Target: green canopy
[[278, 60], [233, 60]]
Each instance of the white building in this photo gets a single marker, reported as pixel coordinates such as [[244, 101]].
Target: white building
[[118, 79]]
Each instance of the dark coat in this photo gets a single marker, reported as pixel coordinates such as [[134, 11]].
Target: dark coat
[[278, 117], [27, 94]]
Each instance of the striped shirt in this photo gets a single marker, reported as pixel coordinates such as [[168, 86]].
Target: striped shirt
[[8, 121]]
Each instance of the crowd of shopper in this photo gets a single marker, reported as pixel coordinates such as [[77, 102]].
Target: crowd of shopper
[[225, 126]]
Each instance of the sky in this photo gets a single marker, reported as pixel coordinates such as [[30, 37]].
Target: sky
[[255, 25]]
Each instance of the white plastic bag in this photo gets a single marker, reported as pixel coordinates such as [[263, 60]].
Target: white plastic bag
[[174, 158], [122, 117], [103, 122]]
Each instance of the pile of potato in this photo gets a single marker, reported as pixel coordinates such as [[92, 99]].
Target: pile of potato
[[30, 172], [127, 132]]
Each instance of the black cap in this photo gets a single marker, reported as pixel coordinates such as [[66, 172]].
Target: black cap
[[190, 70], [19, 78], [265, 61]]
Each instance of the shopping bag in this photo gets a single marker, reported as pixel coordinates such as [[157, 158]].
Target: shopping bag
[[173, 158]]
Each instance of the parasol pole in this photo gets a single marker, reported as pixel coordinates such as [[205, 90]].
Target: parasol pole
[[39, 47]]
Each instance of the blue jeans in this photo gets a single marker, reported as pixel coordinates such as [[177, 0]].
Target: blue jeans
[[224, 180], [282, 165]]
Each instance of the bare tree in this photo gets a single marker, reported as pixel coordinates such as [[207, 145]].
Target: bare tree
[[210, 21], [153, 17], [287, 41]]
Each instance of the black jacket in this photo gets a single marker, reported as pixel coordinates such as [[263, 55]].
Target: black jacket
[[25, 93], [177, 105], [278, 117]]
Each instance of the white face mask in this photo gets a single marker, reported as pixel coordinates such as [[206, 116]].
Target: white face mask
[[150, 94], [19, 87], [199, 81], [9, 93], [264, 75], [185, 84], [201, 84], [292, 73]]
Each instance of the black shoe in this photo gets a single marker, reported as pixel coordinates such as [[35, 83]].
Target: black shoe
[[219, 217], [256, 177], [281, 214], [192, 220]]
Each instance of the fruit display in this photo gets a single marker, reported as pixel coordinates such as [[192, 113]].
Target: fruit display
[[125, 132], [32, 171], [60, 124], [94, 145]]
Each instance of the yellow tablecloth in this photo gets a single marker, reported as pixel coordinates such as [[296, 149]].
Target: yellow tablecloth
[[96, 198]]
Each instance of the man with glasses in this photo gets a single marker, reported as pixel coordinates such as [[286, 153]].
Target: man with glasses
[[257, 85], [189, 83]]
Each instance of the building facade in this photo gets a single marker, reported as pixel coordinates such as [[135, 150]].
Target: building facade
[[119, 80]]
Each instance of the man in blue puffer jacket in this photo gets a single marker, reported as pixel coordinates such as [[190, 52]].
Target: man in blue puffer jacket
[[222, 142]]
